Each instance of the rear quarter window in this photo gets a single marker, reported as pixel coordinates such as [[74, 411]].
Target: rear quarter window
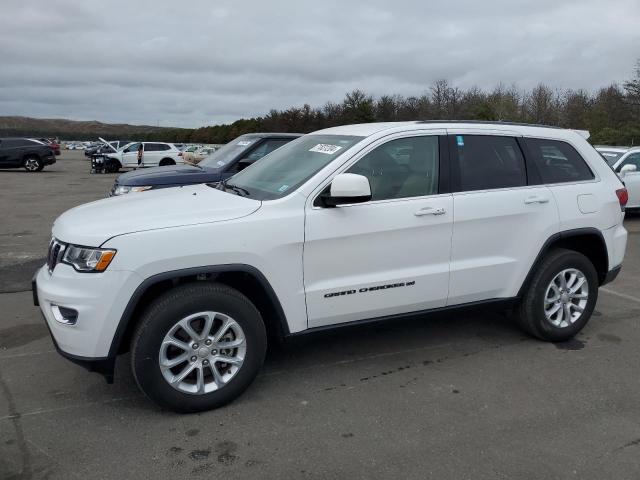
[[557, 161]]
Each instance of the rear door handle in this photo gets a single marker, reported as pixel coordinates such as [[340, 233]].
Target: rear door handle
[[536, 199], [429, 211]]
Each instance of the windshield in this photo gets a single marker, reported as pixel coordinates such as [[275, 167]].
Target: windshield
[[288, 167], [224, 155], [610, 156]]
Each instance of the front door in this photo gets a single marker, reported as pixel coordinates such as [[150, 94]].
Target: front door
[[386, 256], [130, 156]]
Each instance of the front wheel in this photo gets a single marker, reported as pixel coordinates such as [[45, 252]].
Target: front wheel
[[198, 347], [560, 297]]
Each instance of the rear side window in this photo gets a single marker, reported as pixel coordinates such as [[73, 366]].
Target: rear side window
[[557, 161], [484, 162]]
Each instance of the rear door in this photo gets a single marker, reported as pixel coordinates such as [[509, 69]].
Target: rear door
[[151, 155], [500, 222]]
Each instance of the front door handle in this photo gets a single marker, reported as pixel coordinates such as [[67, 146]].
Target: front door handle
[[429, 211], [536, 199]]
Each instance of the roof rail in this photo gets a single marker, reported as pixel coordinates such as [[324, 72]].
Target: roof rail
[[491, 122]]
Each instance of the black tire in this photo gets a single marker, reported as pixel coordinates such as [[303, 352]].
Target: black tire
[[175, 305], [112, 166], [166, 161], [530, 312], [32, 163]]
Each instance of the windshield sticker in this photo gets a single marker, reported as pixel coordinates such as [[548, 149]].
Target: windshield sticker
[[220, 163], [244, 143], [460, 141], [325, 148], [283, 188]]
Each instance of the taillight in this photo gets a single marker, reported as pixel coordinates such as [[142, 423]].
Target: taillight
[[623, 197], [179, 154]]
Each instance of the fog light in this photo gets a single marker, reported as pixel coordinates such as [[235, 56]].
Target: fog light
[[64, 315]]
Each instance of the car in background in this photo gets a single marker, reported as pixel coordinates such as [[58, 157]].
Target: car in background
[[27, 153], [154, 154], [611, 154], [627, 166], [196, 156], [220, 165], [53, 143]]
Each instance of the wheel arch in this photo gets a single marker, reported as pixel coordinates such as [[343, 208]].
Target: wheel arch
[[245, 278], [587, 241]]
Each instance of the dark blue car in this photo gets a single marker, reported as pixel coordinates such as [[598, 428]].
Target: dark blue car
[[220, 165]]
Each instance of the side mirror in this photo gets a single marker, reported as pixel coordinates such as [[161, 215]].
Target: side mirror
[[347, 188], [629, 167]]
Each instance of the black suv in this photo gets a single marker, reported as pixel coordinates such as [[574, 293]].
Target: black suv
[[220, 165], [30, 154]]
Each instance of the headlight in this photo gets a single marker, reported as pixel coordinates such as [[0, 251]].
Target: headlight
[[122, 189], [85, 259]]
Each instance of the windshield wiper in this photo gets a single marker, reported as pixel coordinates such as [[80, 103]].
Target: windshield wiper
[[243, 192]]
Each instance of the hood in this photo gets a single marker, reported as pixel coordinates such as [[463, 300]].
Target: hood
[[94, 223], [168, 175]]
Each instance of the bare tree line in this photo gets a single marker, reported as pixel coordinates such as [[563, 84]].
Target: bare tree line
[[611, 114]]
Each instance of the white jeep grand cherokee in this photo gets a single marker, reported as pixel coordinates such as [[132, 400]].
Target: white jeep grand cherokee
[[340, 226]]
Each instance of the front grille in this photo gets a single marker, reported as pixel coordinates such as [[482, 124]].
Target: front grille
[[56, 249]]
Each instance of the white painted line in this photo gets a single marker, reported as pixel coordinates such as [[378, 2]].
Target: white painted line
[[621, 295]]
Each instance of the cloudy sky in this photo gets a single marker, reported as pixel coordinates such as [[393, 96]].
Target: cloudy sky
[[202, 62]]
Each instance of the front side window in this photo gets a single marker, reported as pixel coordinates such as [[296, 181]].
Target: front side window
[[557, 161], [132, 148], [287, 168], [401, 168], [485, 162], [633, 159]]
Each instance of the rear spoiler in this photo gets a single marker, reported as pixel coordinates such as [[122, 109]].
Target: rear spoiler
[[583, 133]]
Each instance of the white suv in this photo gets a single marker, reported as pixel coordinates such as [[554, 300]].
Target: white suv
[[154, 154], [345, 225], [626, 163]]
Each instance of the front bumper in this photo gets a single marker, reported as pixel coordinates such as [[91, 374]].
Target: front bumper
[[99, 299]]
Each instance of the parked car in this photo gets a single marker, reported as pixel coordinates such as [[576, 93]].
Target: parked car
[[611, 154], [222, 164], [343, 226], [27, 153], [154, 154], [195, 156], [627, 166], [53, 143]]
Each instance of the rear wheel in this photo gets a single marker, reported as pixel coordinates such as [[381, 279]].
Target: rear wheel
[[560, 297], [33, 164], [166, 161], [198, 347]]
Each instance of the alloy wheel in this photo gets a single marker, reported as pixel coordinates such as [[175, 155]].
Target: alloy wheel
[[566, 297], [201, 353]]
